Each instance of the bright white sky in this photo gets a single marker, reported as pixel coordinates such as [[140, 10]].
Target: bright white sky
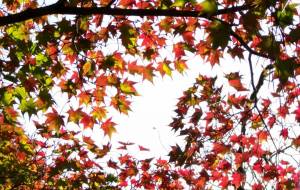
[[151, 112]]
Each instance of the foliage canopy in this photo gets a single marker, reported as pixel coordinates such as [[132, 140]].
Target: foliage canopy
[[96, 51]]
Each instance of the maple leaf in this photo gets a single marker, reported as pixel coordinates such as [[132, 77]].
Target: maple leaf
[[123, 183], [87, 68], [133, 68], [297, 114], [11, 114], [124, 159], [120, 103], [284, 133], [99, 95], [99, 113], [143, 148], [237, 179], [100, 153], [147, 41], [214, 57], [112, 164], [87, 121], [129, 37], [257, 187], [101, 80], [21, 156], [224, 165], [147, 72], [84, 98], [271, 121], [262, 136], [127, 87], [196, 116], [164, 68], [224, 182], [218, 34], [124, 145], [188, 37], [75, 115], [234, 80], [296, 142], [237, 102], [126, 3], [180, 66], [258, 167], [219, 148], [108, 127], [236, 52], [54, 120], [178, 50], [266, 103], [283, 111], [270, 172], [208, 7]]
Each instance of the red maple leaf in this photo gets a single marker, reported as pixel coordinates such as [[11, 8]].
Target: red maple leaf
[[284, 133], [188, 37], [143, 148], [297, 114], [87, 121], [178, 50], [234, 80], [283, 111], [237, 179], [224, 182], [108, 127]]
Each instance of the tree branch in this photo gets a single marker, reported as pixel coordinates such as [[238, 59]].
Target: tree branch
[[61, 8], [260, 82], [245, 45]]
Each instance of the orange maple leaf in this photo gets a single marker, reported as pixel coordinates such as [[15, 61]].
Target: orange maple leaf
[[108, 127], [54, 120]]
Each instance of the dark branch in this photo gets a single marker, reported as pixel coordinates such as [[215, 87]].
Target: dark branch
[[61, 8], [245, 45], [260, 82], [252, 77], [261, 79]]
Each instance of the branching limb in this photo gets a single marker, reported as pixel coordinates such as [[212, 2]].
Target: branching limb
[[260, 82], [252, 75], [61, 8], [245, 45]]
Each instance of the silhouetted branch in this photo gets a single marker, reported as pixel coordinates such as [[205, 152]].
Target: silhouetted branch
[[245, 45], [61, 8], [261, 81]]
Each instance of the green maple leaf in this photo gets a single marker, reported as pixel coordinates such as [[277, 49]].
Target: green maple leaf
[[7, 97], [219, 34], [285, 69], [21, 93], [28, 106], [208, 7]]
